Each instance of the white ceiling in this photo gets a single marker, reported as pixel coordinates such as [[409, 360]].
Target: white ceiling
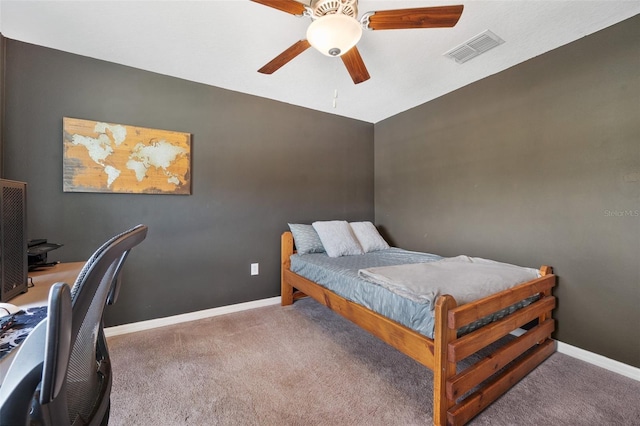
[[224, 42]]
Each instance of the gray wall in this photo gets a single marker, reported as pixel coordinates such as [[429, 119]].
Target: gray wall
[[256, 164], [539, 164]]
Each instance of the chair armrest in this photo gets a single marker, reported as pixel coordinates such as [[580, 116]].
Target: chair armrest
[[58, 342], [23, 377]]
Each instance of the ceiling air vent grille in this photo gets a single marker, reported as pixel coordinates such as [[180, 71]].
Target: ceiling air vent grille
[[474, 47]]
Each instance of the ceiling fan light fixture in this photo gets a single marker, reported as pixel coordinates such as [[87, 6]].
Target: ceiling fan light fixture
[[335, 34]]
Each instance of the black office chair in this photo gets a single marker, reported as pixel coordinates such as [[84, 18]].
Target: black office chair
[[62, 373]]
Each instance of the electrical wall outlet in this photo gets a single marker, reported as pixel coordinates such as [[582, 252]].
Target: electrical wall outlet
[[255, 269]]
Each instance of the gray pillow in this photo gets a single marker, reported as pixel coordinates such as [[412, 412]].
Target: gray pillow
[[337, 238], [306, 239]]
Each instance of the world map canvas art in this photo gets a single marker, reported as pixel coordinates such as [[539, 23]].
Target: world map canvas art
[[106, 157]]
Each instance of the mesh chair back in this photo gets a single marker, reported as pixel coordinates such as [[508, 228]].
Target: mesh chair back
[[89, 373]]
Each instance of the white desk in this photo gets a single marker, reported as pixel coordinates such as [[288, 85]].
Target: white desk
[[38, 295]]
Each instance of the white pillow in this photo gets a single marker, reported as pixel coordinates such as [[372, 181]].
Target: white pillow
[[337, 238], [368, 236]]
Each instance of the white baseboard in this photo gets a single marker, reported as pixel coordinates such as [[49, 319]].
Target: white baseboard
[[564, 348], [191, 316], [593, 358], [599, 360]]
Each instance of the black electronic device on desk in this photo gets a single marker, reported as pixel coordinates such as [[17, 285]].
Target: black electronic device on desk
[[37, 252]]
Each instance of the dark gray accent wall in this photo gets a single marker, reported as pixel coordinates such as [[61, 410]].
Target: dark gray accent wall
[[256, 165], [539, 164]]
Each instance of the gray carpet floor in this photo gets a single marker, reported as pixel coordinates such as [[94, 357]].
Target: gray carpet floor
[[305, 365]]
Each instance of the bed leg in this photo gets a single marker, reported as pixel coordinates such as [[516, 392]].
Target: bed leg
[[287, 294], [443, 369], [286, 250]]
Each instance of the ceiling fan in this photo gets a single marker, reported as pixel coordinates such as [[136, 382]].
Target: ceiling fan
[[335, 29]]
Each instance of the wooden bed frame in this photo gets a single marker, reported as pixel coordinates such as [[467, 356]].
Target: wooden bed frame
[[445, 350]]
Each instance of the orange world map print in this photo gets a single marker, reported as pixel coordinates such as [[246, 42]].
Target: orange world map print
[[106, 157]]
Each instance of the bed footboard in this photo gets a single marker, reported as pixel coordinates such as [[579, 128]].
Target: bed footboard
[[497, 372]]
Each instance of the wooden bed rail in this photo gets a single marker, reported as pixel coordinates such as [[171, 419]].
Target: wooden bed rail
[[474, 341], [470, 312], [407, 341]]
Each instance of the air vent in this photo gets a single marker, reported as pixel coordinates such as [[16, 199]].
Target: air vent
[[474, 47]]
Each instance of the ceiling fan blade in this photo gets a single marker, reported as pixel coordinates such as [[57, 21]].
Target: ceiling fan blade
[[422, 17], [282, 59], [355, 65], [288, 6]]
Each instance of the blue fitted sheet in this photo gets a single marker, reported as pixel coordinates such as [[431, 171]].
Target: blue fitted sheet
[[340, 275]]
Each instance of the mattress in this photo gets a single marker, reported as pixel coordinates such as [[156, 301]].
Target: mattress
[[340, 275]]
